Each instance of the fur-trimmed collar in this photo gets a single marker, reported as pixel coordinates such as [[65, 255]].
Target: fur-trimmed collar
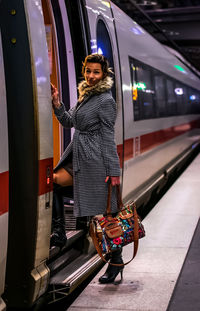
[[102, 86]]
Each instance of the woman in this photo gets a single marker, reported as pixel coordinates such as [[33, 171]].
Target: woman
[[91, 158]]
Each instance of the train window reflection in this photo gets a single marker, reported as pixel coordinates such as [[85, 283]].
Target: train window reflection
[[160, 95], [171, 98]]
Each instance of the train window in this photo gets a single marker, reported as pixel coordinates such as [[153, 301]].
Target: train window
[[145, 91], [104, 47], [156, 95], [160, 92], [142, 90], [135, 91], [171, 98]]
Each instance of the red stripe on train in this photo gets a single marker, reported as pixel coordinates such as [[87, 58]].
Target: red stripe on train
[[45, 176], [133, 146], [4, 197]]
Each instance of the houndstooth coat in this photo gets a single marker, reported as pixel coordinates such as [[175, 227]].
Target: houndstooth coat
[[94, 149]]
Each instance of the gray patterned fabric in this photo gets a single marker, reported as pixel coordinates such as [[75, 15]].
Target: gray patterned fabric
[[94, 149]]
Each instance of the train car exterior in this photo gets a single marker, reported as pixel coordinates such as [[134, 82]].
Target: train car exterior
[[157, 94], [27, 82], [4, 172], [158, 123]]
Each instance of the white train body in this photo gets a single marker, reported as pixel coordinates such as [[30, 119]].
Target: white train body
[[133, 41], [150, 144]]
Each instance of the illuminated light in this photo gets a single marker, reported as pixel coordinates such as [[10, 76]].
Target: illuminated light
[[103, 9], [106, 3], [182, 128], [13, 40], [137, 30], [13, 12], [179, 91], [38, 61], [134, 68], [94, 11], [97, 12], [93, 43], [146, 104], [41, 80], [48, 180], [126, 87], [149, 91], [192, 97], [135, 94], [140, 86], [180, 68], [99, 51]]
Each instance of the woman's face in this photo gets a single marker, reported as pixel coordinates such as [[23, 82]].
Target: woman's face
[[93, 73]]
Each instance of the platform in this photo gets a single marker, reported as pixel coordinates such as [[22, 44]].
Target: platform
[[150, 279]]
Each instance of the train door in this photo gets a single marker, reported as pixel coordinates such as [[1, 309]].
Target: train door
[[63, 74], [4, 177], [61, 63]]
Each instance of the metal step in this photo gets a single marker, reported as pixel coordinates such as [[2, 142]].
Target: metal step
[[63, 260], [71, 276], [70, 219], [72, 237]]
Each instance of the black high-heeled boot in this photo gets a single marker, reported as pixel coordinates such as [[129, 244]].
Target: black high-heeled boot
[[112, 271], [58, 236]]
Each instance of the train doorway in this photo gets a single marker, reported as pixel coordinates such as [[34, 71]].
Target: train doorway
[[61, 64]]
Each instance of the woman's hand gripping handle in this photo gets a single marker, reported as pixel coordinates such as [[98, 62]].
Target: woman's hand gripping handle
[[55, 97]]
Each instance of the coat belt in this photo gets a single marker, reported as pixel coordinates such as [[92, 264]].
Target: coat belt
[[77, 133]]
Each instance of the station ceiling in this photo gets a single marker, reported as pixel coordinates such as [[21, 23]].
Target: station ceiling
[[174, 23]]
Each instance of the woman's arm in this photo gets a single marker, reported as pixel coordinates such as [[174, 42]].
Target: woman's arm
[[107, 115], [63, 116]]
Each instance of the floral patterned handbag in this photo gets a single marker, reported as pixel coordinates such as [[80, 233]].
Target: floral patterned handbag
[[111, 233]]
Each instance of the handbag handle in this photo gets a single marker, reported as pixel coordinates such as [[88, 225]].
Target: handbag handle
[[135, 231], [119, 199]]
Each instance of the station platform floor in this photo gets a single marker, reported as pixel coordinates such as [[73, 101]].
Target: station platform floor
[[165, 275]]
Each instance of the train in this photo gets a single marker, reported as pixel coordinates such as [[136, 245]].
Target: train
[[157, 130]]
